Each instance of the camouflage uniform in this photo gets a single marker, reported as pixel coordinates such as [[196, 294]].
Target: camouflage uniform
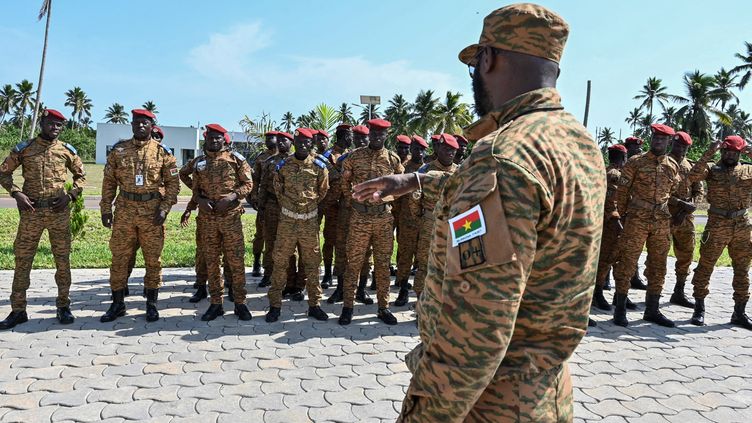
[[502, 312], [329, 207], [367, 221], [407, 235], [215, 175], [136, 205], [683, 234], [258, 236], [300, 185], [343, 226], [611, 229], [268, 204], [45, 165]]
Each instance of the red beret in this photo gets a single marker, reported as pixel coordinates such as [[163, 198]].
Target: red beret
[[53, 113], [360, 129], [421, 142], [635, 140], [227, 138], [324, 133], [216, 128], [285, 134], [435, 137], [158, 130], [404, 139], [143, 112], [448, 140], [460, 139], [344, 126], [271, 134], [683, 137], [734, 143], [660, 129], [304, 132], [618, 147], [379, 123]]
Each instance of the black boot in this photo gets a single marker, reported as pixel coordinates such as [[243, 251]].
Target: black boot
[[607, 284], [265, 281], [127, 291], [143, 292], [64, 315], [317, 313], [241, 310], [678, 296], [273, 314], [372, 287], [740, 318], [599, 300], [620, 311], [196, 284], [346, 317], [698, 317], [361, 295], [629, 304], [13, 319], [637, 283], [117, 308], [327, 279], [403, 296], [152, 315], [338, 292], [386, 316], [298, 295], [652, 314], [214, 311], [230, 292], [256, 272], [591, 323], [392, 270], [199, 295]]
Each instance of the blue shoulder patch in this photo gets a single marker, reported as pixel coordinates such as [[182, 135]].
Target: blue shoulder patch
[[238, 155], [343, 157], [327, 153], [71, 148], [280, 164], [166, 148], [21, 146], [423, 169], [319, 163]]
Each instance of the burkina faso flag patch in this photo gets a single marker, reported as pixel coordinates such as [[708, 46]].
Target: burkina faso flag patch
[[467, 225]]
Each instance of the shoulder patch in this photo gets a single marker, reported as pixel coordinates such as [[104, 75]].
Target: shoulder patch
[[21, 146], [71, 148], [343, 157], [238, 156], [166, 149], [319, 163], [280, 164], [327, 153], [424, 168]]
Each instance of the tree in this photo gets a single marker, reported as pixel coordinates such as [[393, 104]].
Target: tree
[[723, 84], [453, 115], [7, 101], [643, 131], [669, 116], [45, 10], [345, 114], [606, 137], [740, 123], [116, 114], [150, 106], [652, 92], [371, 111], [325, 117], [398, 113], [256, 128], [76, 98], [24, 92], [745, 69], [425, 113], [288, 121], [698, 107], [634, 118]]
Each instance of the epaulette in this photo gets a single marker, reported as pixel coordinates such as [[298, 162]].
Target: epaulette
[[21, 146], [238, 156], [343, 157], [269, 159], [323, 159], [280, 164], [319, 163], [167, 149], [71, 148], [424, 168], [327, 153]]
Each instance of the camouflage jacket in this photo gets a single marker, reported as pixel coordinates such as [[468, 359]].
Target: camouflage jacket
[[140, 168], [728, 188], [266, 180], [685, 190], [425, 204], [512, 295], [364, 164], [402, 205], [646, 185], [218, 174], [300, 184], [257, 165], [613, 174], [44, 167]]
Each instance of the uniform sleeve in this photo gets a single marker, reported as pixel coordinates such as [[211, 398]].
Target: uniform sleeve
[[192, 204], [399, 167], [277, 182], [624, 189], [263, 185], [245, 179], [472, 334], [76, 167], [186, 173], [701, 169], [9, 165], [171, 182], [323, 184], [256, 178], [346, 176], [109, 185]]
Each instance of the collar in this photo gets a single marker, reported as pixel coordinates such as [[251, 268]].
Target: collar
[[139, 143], [44, 142]]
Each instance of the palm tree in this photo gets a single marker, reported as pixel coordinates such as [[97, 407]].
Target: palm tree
[[306, 120], [634, 118], [371, 111], [606, 137], [345, 114], [24, 92], [453, 115], [723, 84], [150, 106], [746, 67], [741, 123], [255, 128], [643, 130], [81, 104], [86, 123], [669, 116], [288, 121], [425, 113], [652, 92], [7, 101], [398, 113], [325, 117], [698, 106], [116, 114], [45, 10]]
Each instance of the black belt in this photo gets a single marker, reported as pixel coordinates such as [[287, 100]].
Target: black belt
[[140, 197], [377, 209], [729, 214], [647, 205], [43, 203]]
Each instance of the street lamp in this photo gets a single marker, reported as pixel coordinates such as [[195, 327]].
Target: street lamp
[[368, 100]]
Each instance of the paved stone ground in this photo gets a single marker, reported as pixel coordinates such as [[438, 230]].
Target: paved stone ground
[[297, 370]]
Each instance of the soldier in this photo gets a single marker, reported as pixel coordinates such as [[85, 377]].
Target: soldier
[[270, 140], [612, 228], [329, 207], [320, 141], [462, 142], [646, 185], [146, 175], [681, 207], [403, 148], [157, 133], [729, 195], [301, 183], [634, 147], [515, 247], [222, 178], [43, 204], [446, 148], [368, 220]]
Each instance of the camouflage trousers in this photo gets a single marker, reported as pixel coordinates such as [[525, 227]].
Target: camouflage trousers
[[542, 397], [271, 221], [129, 230], [223, 236], [407, 243], [368, 230], [654, 233], [424, 244], [330, 213], [719, 234], [30, 228], [340, 255], [683, 240], [609, 250], [304, 234], [258, 236], [202, 274]]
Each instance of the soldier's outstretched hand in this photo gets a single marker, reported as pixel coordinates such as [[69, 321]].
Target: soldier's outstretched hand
[[185, 218], [386, 186], [107, 220], [59, 203], [23, 202], [716, 145]]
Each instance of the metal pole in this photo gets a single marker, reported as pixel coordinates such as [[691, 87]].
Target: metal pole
[[587, 105]]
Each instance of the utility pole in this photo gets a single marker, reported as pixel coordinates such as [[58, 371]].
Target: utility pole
[[587, 105]]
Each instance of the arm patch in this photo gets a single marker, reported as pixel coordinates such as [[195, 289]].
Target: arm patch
[[71, 148], [280, 164], [238, 156], [319, 163], [166, 149], [21, 146]]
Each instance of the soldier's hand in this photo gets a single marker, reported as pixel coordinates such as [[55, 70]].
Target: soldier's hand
[[386, 186], [614, 215], [185, 218], [107, 220], [715, 145], [204, 204], [159, 217], [23, 202], [61, 202], [225, 202]]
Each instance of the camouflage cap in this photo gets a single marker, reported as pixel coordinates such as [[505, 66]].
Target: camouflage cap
[[522, 28]]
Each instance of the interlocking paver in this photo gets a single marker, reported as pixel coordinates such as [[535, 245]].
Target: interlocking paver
[[135, 410]]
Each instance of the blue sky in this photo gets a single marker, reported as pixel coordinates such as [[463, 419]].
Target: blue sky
[[217, 61]]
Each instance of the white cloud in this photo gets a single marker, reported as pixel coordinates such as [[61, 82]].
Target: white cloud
[[226, 54]]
